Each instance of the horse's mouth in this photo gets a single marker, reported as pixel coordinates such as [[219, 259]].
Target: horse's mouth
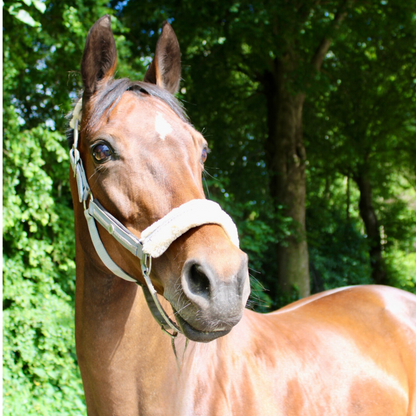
[[197, 335]]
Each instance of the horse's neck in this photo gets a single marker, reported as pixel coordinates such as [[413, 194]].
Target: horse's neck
[[118, 340]]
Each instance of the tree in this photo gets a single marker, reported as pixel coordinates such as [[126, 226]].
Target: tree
[[367, 112]]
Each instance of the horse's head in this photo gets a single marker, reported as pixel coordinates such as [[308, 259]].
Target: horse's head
[[142, 159]]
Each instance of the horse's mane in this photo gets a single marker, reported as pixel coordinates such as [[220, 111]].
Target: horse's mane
[[112, 93]]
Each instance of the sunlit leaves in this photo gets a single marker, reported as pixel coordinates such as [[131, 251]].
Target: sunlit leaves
[[40, 372]]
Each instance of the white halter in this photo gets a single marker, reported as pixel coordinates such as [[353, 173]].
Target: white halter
[[155, 240]]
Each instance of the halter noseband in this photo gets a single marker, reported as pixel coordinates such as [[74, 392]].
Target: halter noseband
[[155, 239]]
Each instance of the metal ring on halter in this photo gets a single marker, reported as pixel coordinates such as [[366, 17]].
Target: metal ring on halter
[[147, 263], [84, 202]]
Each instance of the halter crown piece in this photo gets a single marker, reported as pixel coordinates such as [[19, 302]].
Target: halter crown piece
[[155, 240]]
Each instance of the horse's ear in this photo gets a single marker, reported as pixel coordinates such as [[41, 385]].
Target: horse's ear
[[100, 56], [165, 69]]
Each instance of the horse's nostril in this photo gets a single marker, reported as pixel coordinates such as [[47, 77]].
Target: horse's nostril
[[198, 282]]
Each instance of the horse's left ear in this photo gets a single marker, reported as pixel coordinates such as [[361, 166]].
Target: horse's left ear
[[100, 56], [165, 69]]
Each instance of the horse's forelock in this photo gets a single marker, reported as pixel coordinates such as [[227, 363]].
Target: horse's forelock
[[111, 94]]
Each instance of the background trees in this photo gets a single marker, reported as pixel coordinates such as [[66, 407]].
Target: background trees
[[364, 132], [309, 111], [274, 62]]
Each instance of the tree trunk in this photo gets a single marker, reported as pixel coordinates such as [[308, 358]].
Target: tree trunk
[[286, 157], [372, 228]]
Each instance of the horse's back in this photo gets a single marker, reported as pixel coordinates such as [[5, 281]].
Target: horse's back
[[362, 311]]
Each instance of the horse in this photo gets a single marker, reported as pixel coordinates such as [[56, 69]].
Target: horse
[[161, 283]]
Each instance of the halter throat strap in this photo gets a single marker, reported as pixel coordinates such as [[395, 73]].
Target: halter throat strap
[[155, 240]]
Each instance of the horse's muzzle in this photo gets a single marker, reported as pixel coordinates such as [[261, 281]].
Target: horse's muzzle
[[214, 297]]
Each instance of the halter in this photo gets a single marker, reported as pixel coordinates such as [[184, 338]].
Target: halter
[[155, 239]]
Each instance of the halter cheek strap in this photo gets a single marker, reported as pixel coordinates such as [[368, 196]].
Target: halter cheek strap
[[155, 240]]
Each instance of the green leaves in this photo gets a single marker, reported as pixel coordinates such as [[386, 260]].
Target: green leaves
[[16, 10], [360, 123], [40, 371]]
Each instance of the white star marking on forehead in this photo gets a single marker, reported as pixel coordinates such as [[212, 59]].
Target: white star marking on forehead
[[162, 127]]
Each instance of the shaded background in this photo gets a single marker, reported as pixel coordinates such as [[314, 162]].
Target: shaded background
[[309, 110]]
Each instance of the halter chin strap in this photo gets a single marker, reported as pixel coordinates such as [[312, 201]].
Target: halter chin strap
[[155, 240]]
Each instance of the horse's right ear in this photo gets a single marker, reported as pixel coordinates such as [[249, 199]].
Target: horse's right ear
[[100, 57]]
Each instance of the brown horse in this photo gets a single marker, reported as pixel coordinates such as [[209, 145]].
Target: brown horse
[[350, 351]]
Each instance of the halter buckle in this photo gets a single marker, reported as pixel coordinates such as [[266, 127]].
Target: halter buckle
[[146, 262], [79, 173]]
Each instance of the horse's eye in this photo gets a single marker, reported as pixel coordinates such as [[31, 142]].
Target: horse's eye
[[204, 155], [101, 152]]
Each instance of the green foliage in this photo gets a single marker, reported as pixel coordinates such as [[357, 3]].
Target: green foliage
[[40, 372], [338, 250], [23, 15], [401, 266], [395, 202], [358, 123]]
